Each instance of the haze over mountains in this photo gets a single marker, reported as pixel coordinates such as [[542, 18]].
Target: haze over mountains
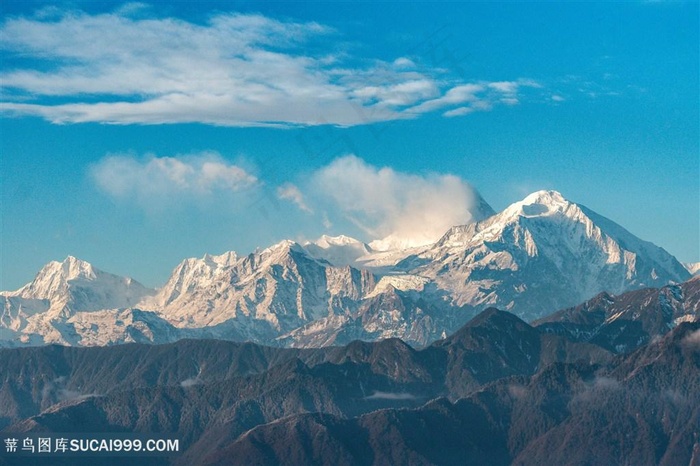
[[537, 256]]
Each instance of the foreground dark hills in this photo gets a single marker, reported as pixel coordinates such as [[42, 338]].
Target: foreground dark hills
[[639, 409], [498, 391]]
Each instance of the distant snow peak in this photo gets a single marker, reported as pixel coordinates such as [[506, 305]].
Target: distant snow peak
[[74, 268], [543, 252], [541, 204], [282, 245], [226, 259], [70, 269], [280, 249], [395, 243], [326, 241], [545, 197], [54, 279], [692, 267], [43, 311], [337, 250]]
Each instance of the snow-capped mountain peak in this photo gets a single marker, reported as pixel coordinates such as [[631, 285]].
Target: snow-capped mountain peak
[[278, 252], [543, 217], [74, 268], [226, 259], [544, 252], [540, 254], [77, 283], [542, 204], [692, 267], [53, 279], [190, 275], [326, 241], [62, 291], [545, 197]]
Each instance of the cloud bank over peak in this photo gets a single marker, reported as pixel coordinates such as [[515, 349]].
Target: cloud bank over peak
[[405, 209], [231, 70]]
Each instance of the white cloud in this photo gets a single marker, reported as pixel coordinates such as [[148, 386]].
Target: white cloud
[[132, 8], [233, 70], [481, 96], [410, 209], [405, 93], [403, 62], [505, 87], [476, 106], [191, 382], [459, 111], [326, 222], [606, 383], [378, 395], [692, 340], [517, 391], [291, 192], [156, 181], [456, 95]]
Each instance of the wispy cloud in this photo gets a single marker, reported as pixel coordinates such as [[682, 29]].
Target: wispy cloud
[[517, 391], [474, 97], [157, 181], [291, 192], [191, 382], [233, 70], [692, 340], [377, 395], [411, 209]]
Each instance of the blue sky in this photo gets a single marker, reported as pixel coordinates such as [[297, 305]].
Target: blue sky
[[135, 135]]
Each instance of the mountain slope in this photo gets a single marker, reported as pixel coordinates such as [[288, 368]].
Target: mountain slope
[[625, 322]]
